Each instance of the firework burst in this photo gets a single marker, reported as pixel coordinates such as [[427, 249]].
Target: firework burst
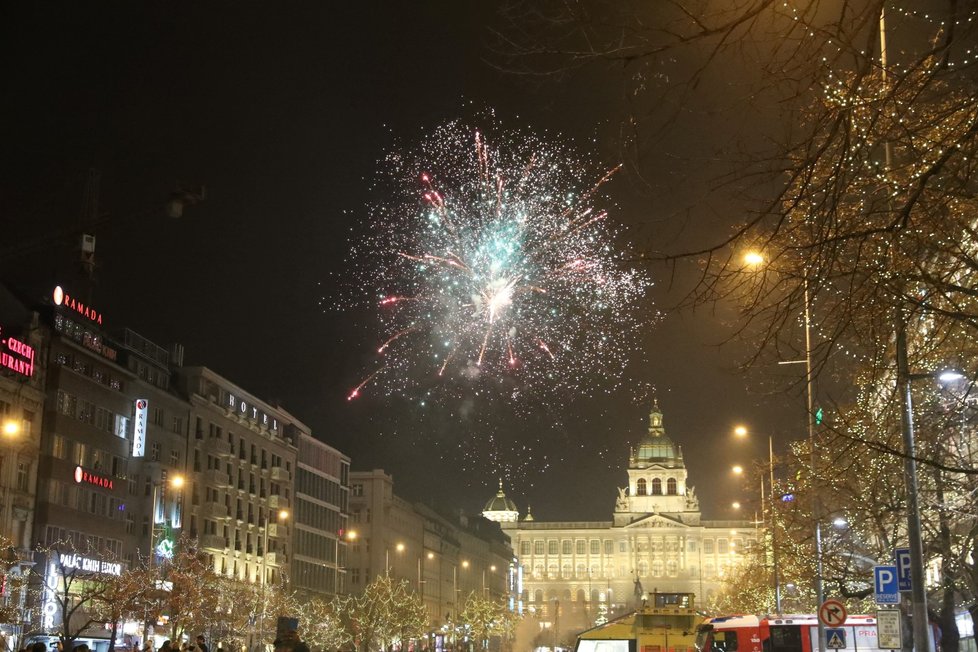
[[490, 263]]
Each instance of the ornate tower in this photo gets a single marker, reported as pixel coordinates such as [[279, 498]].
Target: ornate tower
[[656, 479]]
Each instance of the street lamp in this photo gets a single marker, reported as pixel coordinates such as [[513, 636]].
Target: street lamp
[[11, 427], [158, 513], [755, 259], [918, 592], [387, 556], [282, 515], [741, 432]]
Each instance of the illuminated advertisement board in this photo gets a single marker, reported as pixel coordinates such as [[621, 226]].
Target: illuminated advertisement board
[[140, 410]]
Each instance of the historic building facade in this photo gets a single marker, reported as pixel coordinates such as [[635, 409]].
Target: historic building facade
[[656, 540]]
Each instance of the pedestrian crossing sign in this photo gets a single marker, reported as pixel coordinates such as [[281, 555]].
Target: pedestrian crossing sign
[[835, 638]]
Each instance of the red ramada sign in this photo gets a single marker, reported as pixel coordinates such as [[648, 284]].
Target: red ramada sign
[[81, 475], [62, 298]]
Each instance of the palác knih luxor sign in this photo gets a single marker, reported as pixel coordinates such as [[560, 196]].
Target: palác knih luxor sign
[[87, 564]]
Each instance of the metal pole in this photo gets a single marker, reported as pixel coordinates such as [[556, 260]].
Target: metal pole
[[264, 579], [774, 546], [809, 381], [918, 592], [152, 525]]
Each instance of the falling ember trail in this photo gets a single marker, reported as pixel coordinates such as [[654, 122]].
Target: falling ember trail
[[356, 390], [394, 338]]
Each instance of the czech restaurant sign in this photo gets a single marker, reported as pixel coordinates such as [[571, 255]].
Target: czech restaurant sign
[[16, 356]]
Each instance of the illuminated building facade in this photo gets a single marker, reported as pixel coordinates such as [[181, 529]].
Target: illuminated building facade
[[239, 490], [443, 559], [322, 488], [581, 572]]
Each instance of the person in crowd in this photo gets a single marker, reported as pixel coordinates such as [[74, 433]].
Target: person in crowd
[[167, 646], [291, 641], [201, 646], [81, 647]]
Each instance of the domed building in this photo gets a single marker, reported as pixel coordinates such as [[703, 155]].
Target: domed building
[[655, 541]]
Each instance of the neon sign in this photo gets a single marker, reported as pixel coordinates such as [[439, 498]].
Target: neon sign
[[81, 475], [16, 356], [141, 407], [88, 564], [62, 298]]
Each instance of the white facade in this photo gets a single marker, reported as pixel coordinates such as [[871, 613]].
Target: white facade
[[655, 541]]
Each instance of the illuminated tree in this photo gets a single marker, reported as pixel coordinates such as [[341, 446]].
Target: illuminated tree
[[483, 619], [322, 623], [384, 613]]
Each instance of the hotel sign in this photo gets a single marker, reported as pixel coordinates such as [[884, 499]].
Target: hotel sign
[[81, 475], [16, 356], [140, 409], [241, 407], [62, 298]]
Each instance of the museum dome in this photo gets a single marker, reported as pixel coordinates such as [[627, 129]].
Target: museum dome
[[500, 508], [656, 447]]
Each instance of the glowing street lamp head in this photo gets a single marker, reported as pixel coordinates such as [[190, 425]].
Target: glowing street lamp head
[[351, 535], [283, 515], [740, 431], [753, 258], [399, 547], [11, 428], [465, 563], [176, 481], [735, 504], [737, 469]]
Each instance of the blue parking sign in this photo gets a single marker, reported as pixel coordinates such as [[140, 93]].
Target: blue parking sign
[[886, 585], [901, 556]]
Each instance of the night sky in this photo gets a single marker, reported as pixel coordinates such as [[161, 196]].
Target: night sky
[[283, 110]]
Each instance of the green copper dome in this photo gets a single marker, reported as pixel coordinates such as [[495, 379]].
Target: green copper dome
[[656, 447]]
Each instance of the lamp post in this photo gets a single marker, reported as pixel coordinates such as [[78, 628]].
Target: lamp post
[[918, 592], [742, 431], [282, 515], [755, 259], [159, 494], [387, 557]]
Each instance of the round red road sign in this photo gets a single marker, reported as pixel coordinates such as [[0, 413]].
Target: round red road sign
[[832, 613]]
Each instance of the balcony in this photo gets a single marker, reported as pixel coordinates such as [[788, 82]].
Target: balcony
[[216, 478], [278, 502], [277, 530], [280, 475], [217, 446], [213, 541], [274, 558], [217, 511]]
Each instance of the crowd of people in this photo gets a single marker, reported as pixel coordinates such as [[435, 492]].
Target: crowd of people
[[288, 641]]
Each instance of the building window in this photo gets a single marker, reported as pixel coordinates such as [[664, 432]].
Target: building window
[[538, 547], [656, 487], [640, 487], [595, 547], [155, 452], [566, 547], [174, 457], [708, 546], [23, 475], [581, 546], [524, 545], [723, 546], [622, 546], [671, 487], [354, 575], [552, 547], [158, 416], [609, 547]]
